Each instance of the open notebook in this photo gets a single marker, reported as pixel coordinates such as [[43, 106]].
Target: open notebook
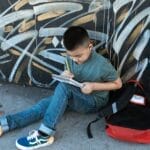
[[65, 79]]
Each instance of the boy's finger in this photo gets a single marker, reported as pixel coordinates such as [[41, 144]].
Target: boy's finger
[[69, 75]]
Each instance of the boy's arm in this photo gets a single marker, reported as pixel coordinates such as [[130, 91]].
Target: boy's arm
[[101, 86], [110, 80], [107, 86]]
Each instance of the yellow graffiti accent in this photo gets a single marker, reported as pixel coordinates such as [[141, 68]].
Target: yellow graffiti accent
[[27, 25], [47, 41], [20, 4], [15, 52], [49, 15], [136, 32], [8, 28], [85, 19], [121, 15], [40, 49], [41, 67], [20, 70]]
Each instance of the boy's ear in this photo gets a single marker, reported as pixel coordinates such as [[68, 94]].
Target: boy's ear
[[90, 45]]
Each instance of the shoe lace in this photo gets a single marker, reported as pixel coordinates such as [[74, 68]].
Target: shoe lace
[[34, 135]]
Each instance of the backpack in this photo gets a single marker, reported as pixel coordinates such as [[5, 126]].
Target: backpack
[[127, 113]]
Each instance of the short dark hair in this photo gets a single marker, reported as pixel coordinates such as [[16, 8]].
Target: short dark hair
[[74, 37]]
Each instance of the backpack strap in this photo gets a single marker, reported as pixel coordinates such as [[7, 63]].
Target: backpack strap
[[89, 133]]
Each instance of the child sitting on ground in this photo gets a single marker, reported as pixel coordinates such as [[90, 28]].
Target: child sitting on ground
[[86, 66]]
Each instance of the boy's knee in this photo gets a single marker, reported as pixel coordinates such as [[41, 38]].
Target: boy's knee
[[64, 87], [67, 87]]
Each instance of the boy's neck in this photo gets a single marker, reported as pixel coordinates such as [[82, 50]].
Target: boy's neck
[[90, 55]]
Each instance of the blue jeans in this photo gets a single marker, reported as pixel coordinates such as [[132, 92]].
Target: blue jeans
[[52, 108]]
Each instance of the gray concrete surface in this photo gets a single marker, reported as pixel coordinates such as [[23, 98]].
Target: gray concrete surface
[[71, 131]]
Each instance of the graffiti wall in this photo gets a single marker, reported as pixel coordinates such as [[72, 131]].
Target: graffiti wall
[[31, 31]]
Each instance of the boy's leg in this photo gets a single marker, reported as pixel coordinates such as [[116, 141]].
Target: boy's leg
[[25, 117], [64, 95]]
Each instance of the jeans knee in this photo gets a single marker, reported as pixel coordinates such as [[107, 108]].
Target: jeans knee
[[64, 87]]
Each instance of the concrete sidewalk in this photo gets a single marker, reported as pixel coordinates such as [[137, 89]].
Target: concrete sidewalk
[[71, 131]]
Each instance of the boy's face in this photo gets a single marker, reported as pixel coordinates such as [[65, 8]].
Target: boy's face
[[80, 54]]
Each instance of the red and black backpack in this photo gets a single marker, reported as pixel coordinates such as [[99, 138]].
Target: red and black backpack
[[127, 113]]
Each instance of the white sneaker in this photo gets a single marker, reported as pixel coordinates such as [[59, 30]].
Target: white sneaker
[[33, 141]]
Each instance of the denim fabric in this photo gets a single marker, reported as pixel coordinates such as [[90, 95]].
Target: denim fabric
[[52, 108]]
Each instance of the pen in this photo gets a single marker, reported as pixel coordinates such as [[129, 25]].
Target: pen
[[67, 65]]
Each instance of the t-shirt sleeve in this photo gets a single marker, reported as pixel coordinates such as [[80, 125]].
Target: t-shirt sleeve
[[109, 72]]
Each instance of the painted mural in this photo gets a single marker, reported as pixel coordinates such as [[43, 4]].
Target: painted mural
[[31, 31]]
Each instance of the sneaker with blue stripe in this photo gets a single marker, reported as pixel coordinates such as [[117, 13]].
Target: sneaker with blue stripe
[[33, 141]]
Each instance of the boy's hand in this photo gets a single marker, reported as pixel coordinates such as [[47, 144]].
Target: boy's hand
[[67, 74], [87, 88]]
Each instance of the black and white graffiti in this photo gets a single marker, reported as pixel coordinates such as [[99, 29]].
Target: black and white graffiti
[[31, 31]]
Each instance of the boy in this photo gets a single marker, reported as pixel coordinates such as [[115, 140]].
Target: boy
[[86, 66]]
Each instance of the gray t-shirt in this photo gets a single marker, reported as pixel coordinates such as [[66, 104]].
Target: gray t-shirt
[[95, 69]]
